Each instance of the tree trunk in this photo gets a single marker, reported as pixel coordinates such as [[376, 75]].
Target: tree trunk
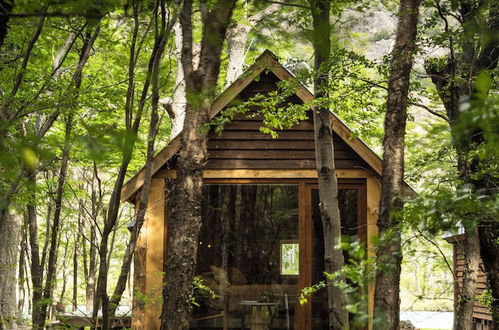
[[37, 315], [6, 7], [54, 238], [75, 272], [185, 217], [144, 193], [176, 106], [101, 297], [326, 172], [477, 55], [10, 232], [463, 315], [22, 272], [389, 253], [237, 37]]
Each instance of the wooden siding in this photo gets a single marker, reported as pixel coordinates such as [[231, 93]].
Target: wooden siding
[[480, 312], [241, 145]]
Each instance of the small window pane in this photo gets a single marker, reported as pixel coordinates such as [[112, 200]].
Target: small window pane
[[290, 261]]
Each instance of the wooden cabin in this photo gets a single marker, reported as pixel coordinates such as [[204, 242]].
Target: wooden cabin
[[261, 237], [482, 318]]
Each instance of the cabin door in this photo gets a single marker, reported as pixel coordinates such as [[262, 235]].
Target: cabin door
[[352, 204]]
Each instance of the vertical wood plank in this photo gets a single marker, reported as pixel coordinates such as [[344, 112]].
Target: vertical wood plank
[[305, 238], [149, 260], [139, 278], [373, 199]]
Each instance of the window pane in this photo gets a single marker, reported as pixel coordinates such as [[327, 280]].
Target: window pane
[[247, 256], [290, 258]]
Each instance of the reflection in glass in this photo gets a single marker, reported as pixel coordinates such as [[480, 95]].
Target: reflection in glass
[[247, 251], [349, 214]]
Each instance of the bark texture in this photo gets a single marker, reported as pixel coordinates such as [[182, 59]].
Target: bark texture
[[463, 315], [326, 172], [10, 232], [185, 216], [389, 252]]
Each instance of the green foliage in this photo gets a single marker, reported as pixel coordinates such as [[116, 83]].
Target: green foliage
[[201, 289], [447, 210], [277, 112]]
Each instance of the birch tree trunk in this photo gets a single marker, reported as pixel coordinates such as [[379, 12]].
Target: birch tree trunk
[[237, 38], [185, 216], [326, 172], [175, 106], [389, 253]]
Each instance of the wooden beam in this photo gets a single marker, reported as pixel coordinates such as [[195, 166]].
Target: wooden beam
[[272, 174], [132, 186], [139, 278], [305, 239], [373, 200], [357, 145], [149, 260]]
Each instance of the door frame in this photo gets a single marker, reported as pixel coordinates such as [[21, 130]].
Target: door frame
[[305, 233]]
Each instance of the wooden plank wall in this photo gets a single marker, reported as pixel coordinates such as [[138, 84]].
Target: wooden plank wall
[[242, 146], [480, 312]]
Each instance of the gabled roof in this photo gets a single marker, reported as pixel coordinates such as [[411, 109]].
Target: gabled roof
[[266, 61]]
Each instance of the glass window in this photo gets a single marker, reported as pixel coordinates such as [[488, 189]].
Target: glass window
[[290, 258], [348, 202], [248, 257]]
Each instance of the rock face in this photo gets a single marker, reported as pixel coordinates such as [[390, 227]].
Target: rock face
[[406, 325], [375, 28]]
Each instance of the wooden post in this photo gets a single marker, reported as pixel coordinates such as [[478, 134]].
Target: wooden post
[[148, 264], [373, 198]]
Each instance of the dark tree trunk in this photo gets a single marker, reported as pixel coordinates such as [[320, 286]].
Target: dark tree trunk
[[463, 315], [389, 253], [22, 270], [185, 217], [474, 58], [6, 7], [36, 267], [165, 31], [54, 237], [326, 171], [75, 272]]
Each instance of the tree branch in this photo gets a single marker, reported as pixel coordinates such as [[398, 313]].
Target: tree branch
[[288, 4]]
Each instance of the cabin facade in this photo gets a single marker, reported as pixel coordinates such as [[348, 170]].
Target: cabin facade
[[482, 318], [261, 237]]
